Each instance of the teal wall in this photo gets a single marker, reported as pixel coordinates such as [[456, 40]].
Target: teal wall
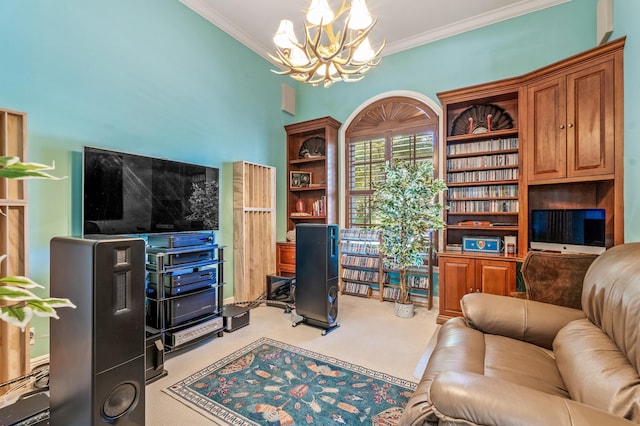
[[152, 77], [146, 76], [626, 16]]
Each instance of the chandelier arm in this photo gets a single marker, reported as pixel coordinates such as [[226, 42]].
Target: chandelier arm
[[361, 35], [343, 8], [352, 71], [349, 79], [313, 44]]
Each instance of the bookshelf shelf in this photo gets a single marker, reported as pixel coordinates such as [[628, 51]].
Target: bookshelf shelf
[[362, 270]]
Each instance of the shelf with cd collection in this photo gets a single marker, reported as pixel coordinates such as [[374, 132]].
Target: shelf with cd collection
[[419, 282], [360, 261], [363, 272], [483, 163]]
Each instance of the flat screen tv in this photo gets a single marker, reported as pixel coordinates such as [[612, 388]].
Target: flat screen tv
[[569, 230], [127, 194]]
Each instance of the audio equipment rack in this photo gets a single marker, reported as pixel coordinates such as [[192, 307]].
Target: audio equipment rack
[[184, 288]]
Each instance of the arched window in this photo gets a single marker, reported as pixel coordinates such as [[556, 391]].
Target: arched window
[[396, 128]]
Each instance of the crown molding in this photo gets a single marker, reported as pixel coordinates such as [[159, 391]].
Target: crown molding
[[519, 8], [497, 15]]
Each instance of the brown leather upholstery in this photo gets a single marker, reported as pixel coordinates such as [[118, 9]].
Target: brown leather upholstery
[[514, 361], [556, 277]]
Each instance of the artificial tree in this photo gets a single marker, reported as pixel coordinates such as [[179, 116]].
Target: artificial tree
[[406, 211]]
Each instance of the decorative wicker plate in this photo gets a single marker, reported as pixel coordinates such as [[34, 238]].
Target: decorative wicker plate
[[312, 147], [481, 119]]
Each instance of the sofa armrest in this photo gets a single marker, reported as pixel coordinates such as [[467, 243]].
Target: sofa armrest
[[472, 398], [527, 320]]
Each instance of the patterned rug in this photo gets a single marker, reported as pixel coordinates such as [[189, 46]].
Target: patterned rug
[[273, 383]]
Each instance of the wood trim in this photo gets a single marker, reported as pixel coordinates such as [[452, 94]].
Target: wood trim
[[14, 343]]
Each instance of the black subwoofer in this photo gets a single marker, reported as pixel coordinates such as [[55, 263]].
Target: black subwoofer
[[317, 274], [97, 351]]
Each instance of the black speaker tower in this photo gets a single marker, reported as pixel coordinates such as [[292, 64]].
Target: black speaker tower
[[97, 351], [317, 275]]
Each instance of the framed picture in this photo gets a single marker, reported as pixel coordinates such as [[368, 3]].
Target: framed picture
[[299, 179]]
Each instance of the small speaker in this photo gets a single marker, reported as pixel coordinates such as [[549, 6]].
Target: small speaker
[[604, 21], [97, 351], [288, 99], [317, 274]]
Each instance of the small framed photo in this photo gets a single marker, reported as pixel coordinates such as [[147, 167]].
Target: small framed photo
[[299, 179]]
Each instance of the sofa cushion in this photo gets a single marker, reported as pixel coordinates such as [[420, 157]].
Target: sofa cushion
[[596, 372], [527, 320], [464, 349]]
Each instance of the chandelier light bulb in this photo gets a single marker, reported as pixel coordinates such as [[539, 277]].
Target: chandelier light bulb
[[364, 52], [285, 36], [298, 57], [322, 70], [359, 17], [319, 11]]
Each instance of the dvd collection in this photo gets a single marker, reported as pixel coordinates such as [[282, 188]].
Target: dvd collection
[[484, 206], [483, 191], [483, 175], [482, 146]]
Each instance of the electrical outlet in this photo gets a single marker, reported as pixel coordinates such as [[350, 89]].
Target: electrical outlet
[[32, 335]]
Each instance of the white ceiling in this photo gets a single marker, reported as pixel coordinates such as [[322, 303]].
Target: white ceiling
[[403, 23]]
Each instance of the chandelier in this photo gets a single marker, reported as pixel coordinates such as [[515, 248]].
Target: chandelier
[[327, 56]]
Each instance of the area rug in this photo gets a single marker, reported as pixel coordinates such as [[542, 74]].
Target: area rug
[[273, 383]]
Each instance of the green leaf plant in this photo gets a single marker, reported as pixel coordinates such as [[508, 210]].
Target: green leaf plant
[[406, 211], [19, 304]]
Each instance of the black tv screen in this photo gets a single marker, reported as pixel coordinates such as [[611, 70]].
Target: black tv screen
[[573, 226], [133, 194]]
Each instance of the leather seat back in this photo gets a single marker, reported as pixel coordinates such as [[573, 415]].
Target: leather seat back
[[611, 298]]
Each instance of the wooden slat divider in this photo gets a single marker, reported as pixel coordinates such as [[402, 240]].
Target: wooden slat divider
[[254, 228]]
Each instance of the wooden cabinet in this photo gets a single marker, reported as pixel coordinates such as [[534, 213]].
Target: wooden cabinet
[[312, 172], [312, 176], [461, 274], [574, 138], [483, 162], [570, 123], [286, 259]]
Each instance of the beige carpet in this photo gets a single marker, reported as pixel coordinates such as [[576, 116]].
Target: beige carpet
[[370, 336]]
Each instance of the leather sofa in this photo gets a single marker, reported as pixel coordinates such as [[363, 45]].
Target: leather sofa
[[511, 361]]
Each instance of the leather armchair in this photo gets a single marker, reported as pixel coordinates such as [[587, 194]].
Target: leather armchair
[[513, 361]]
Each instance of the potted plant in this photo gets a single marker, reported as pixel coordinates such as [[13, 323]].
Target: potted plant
[[19, 304], [406, 210]]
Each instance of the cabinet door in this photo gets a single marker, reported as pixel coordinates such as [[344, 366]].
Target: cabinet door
[[457, 279], [590, 127], [546, 129], [496, 277], [286, 259]]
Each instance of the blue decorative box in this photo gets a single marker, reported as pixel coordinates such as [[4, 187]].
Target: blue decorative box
[[482, 245]]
